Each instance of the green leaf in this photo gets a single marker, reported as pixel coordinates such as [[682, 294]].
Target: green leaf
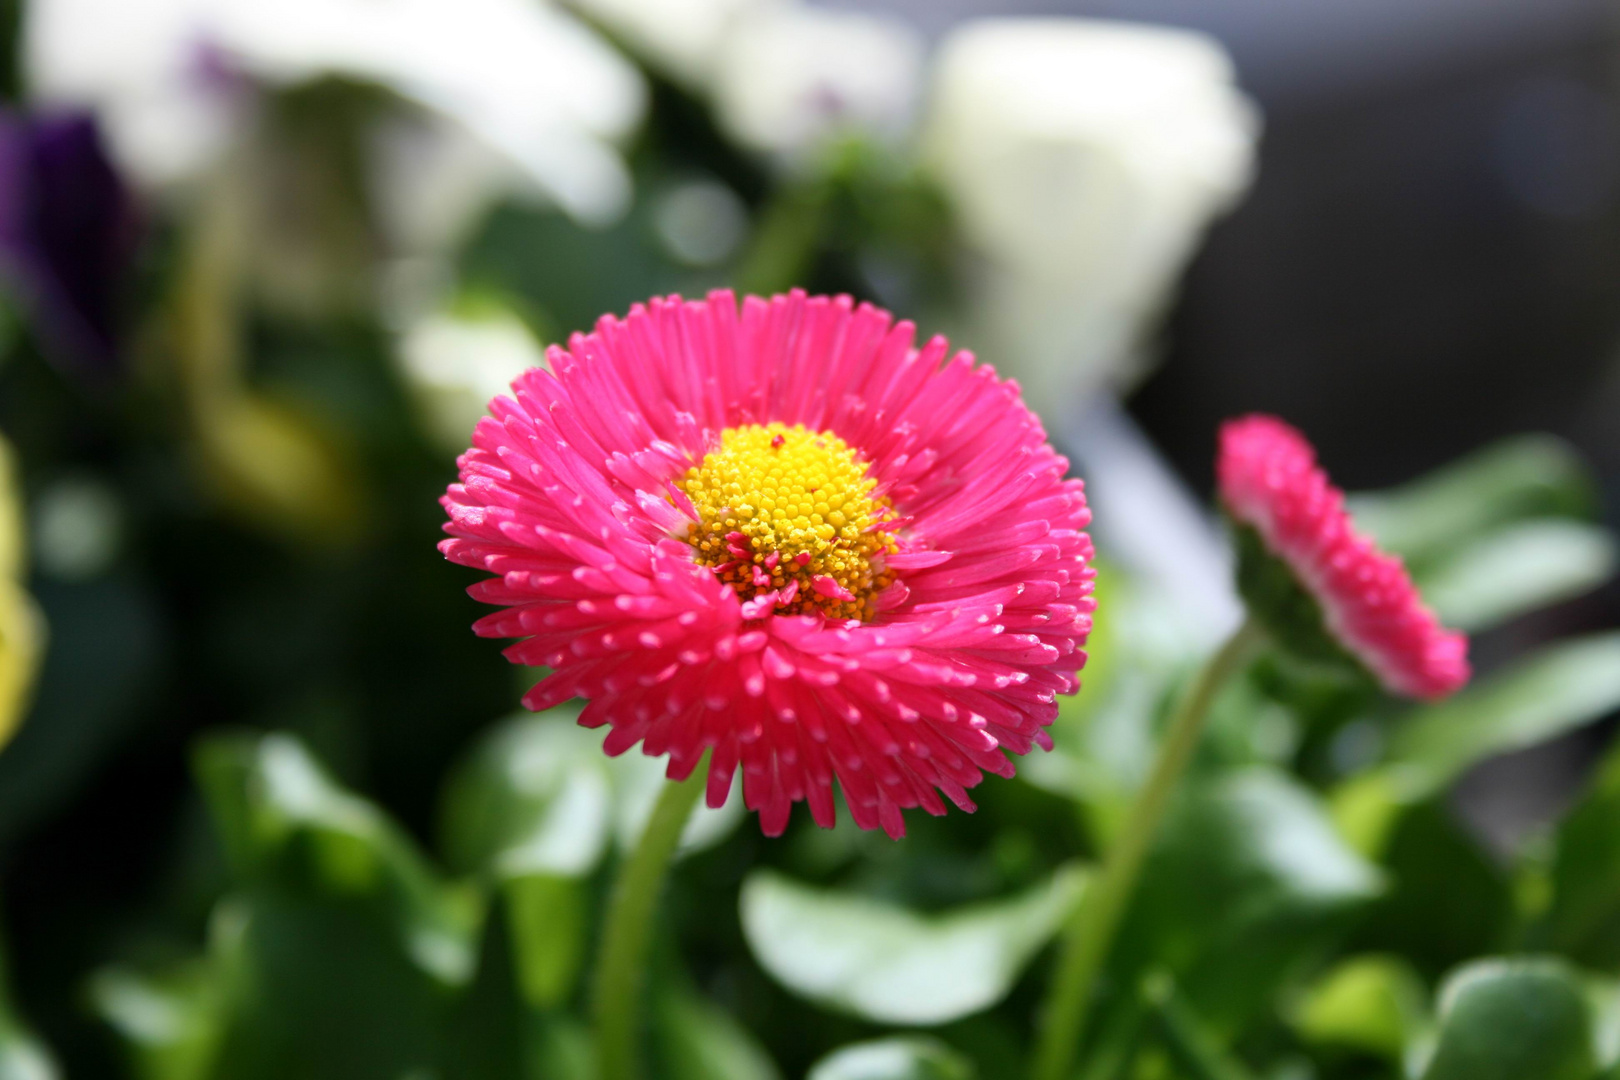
[[342, 954], [327, 991], [1371, 1003], [1603, 998], [283, 821], [1247, 885], [1556, 690], [904, 1057], [549, 926], [539, 796], [1524, 477], [490, 1033], [1367, 807], [22, 1056], [1449, 900], [1553, 691], [701, 1041], [563, 1050], [1513, 1020], [535, 808], [1518, 569], [173, 1025], [1190, 1042], [292, 984], [1583, 918], [534, 798], [891, 965]]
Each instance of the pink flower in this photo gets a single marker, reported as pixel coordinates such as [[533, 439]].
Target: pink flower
[[1269, 480], [787, 534]]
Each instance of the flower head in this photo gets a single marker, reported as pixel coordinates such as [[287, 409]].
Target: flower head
[[1269, 481], [787, 534]]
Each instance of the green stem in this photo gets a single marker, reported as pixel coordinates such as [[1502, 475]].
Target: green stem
[[622, 961], [1091, 928], [1185, 1036]]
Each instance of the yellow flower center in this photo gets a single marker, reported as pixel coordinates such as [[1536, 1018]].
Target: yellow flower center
[[786, 510]]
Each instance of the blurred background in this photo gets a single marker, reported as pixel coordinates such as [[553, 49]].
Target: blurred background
[[265, 262], [1425, 263]]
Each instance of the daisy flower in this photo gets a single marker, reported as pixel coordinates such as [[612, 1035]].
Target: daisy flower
[[1270, 482], [784, 533]]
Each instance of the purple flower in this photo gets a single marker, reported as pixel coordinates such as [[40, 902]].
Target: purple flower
[[67, 232]]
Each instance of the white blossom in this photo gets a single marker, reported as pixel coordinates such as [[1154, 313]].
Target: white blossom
[[167, 77], [789, 76], [1084, 159]]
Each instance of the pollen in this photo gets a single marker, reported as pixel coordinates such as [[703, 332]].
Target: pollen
[[790, 513]]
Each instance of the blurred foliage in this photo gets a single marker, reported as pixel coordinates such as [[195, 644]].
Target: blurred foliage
[[1333, 921], [892, 966], [894, 1059]]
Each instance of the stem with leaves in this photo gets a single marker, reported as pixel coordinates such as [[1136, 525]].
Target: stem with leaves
[[1096, 918]]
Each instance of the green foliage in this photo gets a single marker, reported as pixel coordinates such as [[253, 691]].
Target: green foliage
[[538, 796], [1517, 569], [1550, 693], [288, 829], [1429, 519], [886, 964], [1372, 1003], [1449, 899], [171, 1022], [1512, 1019], [901, 1058], [340, 953], [22, 1057], [1582, 920], [1188, 1041], [1563, 687], [1249, 883], [702, 1042], [1296, 913]]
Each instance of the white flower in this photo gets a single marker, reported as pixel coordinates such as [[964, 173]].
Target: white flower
[[527, 79], [782, 76], [143, 65], [456, 362], [1084, 159], [789, 76]]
